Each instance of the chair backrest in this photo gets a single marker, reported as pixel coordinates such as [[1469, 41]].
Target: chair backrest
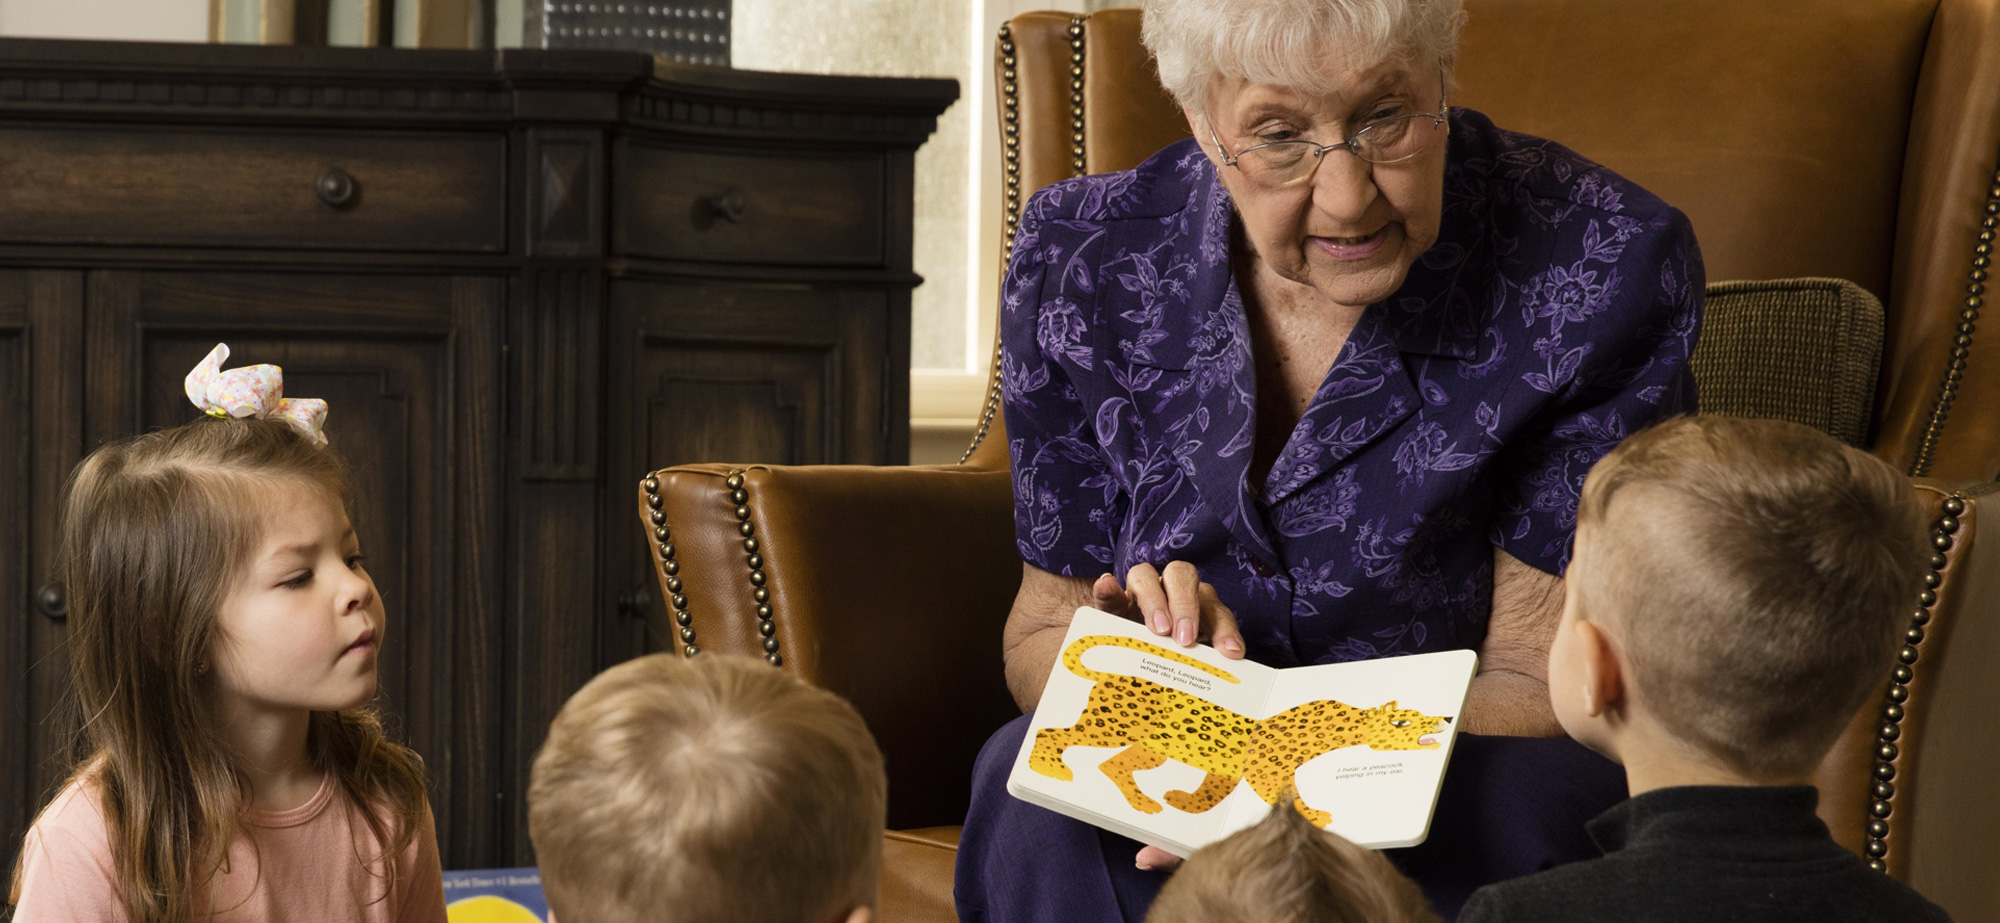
[[1852, 139]]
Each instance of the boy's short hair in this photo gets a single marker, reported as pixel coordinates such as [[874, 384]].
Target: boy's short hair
[[1755, 573], [716, 788], [1284, 870]]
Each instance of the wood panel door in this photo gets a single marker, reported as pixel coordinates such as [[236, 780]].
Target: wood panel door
[[41, 375], [410, 367], [786, 375]]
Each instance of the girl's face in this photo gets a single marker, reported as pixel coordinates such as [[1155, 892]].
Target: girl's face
[[301, 628], [1352, 230]]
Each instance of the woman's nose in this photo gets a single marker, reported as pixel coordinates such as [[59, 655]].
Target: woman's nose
[[1344, 186]]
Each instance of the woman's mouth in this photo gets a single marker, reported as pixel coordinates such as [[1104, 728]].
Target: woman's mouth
[[1349, 249]]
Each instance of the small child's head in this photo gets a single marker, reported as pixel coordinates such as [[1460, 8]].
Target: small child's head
[[167, 543], [212, 574], [717, 786], [1284, 870], [1740, 584]]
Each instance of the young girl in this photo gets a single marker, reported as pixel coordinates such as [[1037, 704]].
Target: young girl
[[223, 642]]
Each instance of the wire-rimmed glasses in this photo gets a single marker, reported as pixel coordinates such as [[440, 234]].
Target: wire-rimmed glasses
[[1278, 164]]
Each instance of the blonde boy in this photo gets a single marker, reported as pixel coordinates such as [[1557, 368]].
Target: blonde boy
[[707, 790], [1285, 870], [1736, 594]]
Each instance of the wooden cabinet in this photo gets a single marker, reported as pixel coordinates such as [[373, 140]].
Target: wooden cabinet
[[521, 280]]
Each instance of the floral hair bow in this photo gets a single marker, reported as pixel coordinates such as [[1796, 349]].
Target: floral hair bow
[[252, 391]]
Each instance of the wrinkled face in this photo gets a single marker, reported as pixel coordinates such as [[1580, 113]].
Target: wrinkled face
[[301, 628], [1353, 229]]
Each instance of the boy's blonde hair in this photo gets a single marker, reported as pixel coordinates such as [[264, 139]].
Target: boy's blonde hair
[[1285, 870], [1756, 573], [706, 790]]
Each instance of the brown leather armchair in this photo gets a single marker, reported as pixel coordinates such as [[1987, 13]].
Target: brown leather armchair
[[1853, 139]]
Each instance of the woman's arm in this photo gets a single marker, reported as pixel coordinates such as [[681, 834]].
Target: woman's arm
[[1511, 693], [1035, 627]]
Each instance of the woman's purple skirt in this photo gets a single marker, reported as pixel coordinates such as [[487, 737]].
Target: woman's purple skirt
[[1511, 806]]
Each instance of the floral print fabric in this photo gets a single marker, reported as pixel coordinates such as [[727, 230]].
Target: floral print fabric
[[1554, 316]]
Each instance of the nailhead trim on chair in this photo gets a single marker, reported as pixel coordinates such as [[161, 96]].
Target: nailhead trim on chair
[[1961, 345], [1010, 146], [664, 536], [1077, 161], [1875, 842], [752, 555]]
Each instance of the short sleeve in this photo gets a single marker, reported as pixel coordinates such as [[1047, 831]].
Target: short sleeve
[[422, 877], [1063, 488], [1612, 331], [66, 869]]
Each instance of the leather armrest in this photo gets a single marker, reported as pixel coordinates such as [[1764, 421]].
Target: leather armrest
[[886, 585], [917, 875], [1910, 784]]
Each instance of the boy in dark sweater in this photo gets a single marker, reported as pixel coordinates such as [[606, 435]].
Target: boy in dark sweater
[[1734, 597]]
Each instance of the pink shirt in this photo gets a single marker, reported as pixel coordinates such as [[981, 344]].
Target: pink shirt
[[284, 865]]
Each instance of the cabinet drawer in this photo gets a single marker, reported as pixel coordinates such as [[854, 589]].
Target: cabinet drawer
[[750, 207], [179, 187]]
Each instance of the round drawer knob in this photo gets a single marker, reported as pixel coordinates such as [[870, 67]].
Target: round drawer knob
[[727, 205], [335, 187], [52, 600]]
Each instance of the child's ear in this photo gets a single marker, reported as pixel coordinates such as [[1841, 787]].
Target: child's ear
[[860, 915], [1603, 677]]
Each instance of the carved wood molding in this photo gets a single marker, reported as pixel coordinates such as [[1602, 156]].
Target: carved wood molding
[[313, 98], [559, 359], [564, 214], [552, 86]]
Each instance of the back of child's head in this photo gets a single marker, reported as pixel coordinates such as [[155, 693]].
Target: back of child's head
[[156, 531], [1756, 574], [1284, 870], [710, 789]]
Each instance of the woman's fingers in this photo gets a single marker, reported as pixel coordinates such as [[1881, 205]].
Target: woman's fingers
[[1107, 595], [1150, 596], [1184, 600], [1155, 859], [1174, 601], [1223, 633]]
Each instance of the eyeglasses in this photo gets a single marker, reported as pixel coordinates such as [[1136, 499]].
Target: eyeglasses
[[1277, 164]]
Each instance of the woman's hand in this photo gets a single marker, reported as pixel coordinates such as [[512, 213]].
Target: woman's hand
[[1155, 859], [1173, 602]]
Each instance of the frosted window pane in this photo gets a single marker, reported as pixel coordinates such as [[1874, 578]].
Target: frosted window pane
[[896, 38]]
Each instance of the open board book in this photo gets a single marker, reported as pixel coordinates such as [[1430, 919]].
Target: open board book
[[1180, 747]]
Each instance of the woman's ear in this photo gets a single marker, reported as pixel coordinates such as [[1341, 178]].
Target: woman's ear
[[1204, 135]]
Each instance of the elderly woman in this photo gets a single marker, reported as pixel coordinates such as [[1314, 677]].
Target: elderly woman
[[1322, 383]]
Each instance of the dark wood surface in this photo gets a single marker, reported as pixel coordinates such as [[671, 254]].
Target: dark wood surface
[[535, 276]]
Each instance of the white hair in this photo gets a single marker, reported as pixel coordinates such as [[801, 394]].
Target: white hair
[[1306, 45]]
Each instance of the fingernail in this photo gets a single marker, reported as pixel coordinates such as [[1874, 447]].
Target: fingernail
[[1142, 866], [1160, 626], [1184, 634], [1232, 646]]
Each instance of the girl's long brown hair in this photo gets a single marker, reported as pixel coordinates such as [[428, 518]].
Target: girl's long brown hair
[[155, 530]]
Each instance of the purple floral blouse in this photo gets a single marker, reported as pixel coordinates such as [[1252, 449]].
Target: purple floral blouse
[[1553, 317]]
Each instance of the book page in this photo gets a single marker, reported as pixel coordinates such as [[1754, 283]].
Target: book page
[[1131, 697], [1389, 725]]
